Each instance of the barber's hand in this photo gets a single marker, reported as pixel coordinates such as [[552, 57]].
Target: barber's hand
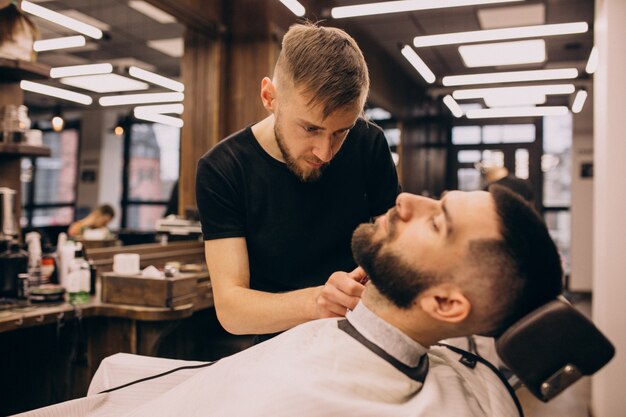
[[341, 292]]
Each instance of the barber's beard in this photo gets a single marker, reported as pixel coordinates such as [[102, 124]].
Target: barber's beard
[[393, 278], [305, 175]]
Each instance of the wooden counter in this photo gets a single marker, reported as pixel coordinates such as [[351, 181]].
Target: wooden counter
[[49, 352]]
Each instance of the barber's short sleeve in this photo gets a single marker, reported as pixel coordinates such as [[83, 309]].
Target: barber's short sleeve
[[220, 203], [382, 178]]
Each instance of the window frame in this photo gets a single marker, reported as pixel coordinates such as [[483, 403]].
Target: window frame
[[30, 205], [125, 201]]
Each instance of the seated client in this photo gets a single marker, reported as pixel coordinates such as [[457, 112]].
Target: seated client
[[470, 263]]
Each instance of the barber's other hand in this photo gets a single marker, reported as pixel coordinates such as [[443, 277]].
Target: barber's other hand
[[341, 292]]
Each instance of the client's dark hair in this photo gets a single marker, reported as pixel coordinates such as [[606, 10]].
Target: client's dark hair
[[523, 270]]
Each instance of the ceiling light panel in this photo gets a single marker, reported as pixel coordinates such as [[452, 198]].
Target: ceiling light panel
[[579, 101], [500, 34], [512, 76], [517, 112], [514, 100], [55, 92], [385, 7], [76, 70], [453, 106], [156, 79], [159, 118], [176, 108], [140, 99], [418, 64], [152, 12], [294, 7], [59, 43], [503, 53], [61, 20], [512, 16], [592, 62], [530, 89], [173, 47], [105, 83]]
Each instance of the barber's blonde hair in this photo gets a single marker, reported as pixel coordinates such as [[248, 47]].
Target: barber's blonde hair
[[327, 63]]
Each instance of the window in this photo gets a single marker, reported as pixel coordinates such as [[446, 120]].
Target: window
[[556, 161], [49, 184], [491, 134], [556, 164], [466, 135], [153, 169]]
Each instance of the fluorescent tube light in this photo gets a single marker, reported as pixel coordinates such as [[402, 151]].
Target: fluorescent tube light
[[403, 6], [592, 63], [157, 79], [74, 70], [514, 96], [517, 112], [514, 100], [503, 53], [512, 76], [140, 98], [55, 92], [579, 101], [177, 108], [294, 6], [453, 106], [59, 43], [500, 34], [105, 83], [530, 89], [151, 11], [159, 118], [418, 64], [61, 20]]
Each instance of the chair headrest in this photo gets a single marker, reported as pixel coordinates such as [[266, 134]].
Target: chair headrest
[[552, 347]]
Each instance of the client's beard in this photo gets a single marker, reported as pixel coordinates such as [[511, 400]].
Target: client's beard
[[392, 277]]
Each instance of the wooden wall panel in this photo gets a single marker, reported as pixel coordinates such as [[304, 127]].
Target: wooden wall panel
[[202, 74], [249, 62]]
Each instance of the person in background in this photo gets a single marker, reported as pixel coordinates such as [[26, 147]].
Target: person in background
[[279, 200], [97, 219]]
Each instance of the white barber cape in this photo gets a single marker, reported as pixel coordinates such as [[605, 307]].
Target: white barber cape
[[315, 369]]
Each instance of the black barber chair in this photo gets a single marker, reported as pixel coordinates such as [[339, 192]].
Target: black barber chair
[[553, 347]]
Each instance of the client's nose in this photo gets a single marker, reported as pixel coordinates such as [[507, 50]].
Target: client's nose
[[410, 205]]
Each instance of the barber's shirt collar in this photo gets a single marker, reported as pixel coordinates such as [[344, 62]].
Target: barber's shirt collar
[[384, 335]]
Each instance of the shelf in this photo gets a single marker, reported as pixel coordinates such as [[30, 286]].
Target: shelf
[[18, 149], [14, 70]]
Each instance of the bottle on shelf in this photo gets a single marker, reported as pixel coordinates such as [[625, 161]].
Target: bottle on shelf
[[78, 278], [33, 240]]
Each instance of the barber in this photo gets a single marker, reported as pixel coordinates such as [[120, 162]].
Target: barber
[[279, 200]]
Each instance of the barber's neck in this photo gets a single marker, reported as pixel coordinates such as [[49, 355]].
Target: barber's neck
[[412, 321]]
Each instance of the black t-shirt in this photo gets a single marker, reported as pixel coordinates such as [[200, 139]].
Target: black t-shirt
[[297, 233]]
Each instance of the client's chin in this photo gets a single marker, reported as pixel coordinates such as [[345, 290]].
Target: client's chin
[[364, 247]]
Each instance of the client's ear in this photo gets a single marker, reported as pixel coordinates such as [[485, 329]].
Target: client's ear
[[445, 302]]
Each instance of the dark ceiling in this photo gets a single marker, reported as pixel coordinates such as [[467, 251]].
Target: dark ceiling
[[381, 37]]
